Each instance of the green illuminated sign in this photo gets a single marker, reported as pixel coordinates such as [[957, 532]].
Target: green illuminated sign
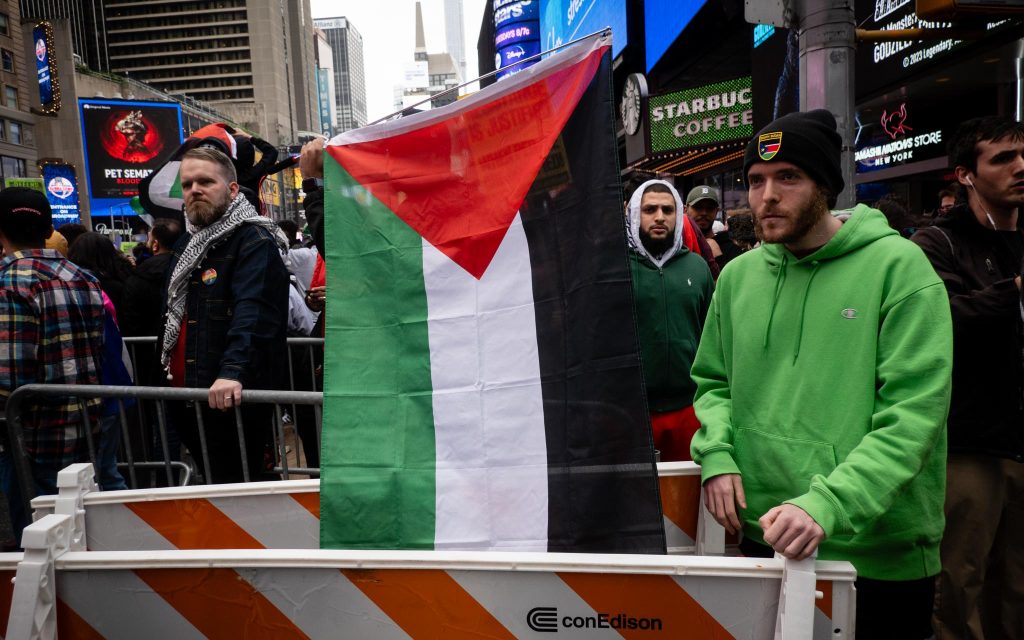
[[701, 116]]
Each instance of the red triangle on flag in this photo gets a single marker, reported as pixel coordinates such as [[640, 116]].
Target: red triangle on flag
[[459, 182]]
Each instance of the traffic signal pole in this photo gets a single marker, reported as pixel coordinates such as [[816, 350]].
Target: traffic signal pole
[[827, 46]]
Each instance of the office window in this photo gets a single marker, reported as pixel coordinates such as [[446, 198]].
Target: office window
[[11, 97], [14, 129], [13, 167], [7, 60]]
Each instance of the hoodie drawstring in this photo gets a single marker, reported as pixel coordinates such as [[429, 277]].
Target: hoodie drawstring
[[803, 309], [780, 277]]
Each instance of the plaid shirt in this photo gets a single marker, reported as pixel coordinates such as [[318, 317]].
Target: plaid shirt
[[51, 331]]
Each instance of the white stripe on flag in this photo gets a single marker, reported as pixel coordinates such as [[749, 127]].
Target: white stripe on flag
[[492, 473]]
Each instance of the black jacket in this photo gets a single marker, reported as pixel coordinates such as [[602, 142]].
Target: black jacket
[[978, 268], [237, 316], [141, 312]]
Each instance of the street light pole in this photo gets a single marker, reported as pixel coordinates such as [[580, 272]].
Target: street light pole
[[827, 32], [827, 48]]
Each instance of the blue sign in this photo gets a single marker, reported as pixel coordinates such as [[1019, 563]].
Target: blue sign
[[516, 33], [761, 33], [42, 49], [61, 187], [323, 89], [517, 53], [664, 20], [563, 21], [509, 11]]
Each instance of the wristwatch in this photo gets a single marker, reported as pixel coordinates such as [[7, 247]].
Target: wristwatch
[[309, 185]]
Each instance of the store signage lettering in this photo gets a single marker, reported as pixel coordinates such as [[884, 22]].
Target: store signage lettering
[[898, 150], [885, 7], [694, 117]]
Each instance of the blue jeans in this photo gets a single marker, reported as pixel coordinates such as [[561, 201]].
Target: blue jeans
[[107, 475], [45, 480]]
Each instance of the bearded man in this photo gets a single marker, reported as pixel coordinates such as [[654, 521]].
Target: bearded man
[[823, 384], [672, 289], [226, 317]]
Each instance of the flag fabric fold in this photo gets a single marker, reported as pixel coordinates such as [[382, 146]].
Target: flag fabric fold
[[482, 378]]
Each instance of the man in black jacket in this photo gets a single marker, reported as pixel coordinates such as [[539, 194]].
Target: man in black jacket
[[227, 314], [977, 252]]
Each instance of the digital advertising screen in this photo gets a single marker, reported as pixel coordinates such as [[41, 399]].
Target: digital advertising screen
[[516, 35], [124, 142], [664, 20], [563, 21], [882, 64], [61, 187], [42, 36]]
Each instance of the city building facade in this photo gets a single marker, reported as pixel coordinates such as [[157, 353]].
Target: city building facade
[[346, 46]]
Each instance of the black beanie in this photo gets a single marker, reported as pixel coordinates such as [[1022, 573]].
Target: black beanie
[[807, 139]]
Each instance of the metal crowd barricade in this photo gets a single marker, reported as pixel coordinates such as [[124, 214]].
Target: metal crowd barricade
[[20, 400], [300, 351], [305, 355]]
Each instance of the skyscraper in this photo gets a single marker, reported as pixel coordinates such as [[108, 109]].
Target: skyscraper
[[251, 59], [441, 73], [349, 75], [455, 35], [86, 23]]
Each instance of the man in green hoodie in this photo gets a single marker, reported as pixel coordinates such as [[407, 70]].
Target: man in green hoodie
[[823, 383]]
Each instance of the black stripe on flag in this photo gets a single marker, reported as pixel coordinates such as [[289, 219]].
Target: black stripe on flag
[[603, 488]]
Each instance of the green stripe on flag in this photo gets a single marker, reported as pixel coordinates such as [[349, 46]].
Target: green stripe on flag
[[176, 191], [378, 453]]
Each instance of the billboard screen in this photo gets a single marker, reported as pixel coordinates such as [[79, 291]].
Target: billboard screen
[[882, 64], [664, 20], [516, 35], [563, 21], [701, 116], [124, 142], [42, 36], [61, 187]]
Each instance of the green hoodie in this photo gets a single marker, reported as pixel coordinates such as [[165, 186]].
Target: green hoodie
[[825, 382]]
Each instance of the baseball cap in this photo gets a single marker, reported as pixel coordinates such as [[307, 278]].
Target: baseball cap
[[24, 206], [703, 192]]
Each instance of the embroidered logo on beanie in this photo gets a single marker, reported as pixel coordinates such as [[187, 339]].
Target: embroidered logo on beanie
[[769, 144]]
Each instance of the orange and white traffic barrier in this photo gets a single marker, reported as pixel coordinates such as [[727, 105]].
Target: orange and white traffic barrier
[[280, 593], [285, 515]]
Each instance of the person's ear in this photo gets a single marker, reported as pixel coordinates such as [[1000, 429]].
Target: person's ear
[[963, 176]]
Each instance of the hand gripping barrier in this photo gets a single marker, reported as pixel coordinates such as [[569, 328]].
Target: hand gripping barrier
[[240, 561]]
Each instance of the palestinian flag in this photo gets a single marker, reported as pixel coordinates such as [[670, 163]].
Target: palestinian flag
[[483, 387]]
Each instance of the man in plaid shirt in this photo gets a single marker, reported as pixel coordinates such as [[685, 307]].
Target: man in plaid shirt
[[51, 331]]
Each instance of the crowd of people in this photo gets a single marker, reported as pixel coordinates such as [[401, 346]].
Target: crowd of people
[[851, 382]]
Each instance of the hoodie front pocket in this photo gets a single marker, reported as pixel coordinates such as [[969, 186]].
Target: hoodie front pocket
[[777, 468]]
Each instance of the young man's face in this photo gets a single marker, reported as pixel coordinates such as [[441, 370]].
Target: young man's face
[[207, 191], [703, 213], [657, 221], [999, 180], [787, 203]]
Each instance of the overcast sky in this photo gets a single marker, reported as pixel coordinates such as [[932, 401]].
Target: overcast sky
[[389, 31]]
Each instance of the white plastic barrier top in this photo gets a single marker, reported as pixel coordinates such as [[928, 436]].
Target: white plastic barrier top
[[285, 515]]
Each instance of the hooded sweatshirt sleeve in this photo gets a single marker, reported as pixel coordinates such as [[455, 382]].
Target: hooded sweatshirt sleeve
[[712, 446], [913, 372]]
